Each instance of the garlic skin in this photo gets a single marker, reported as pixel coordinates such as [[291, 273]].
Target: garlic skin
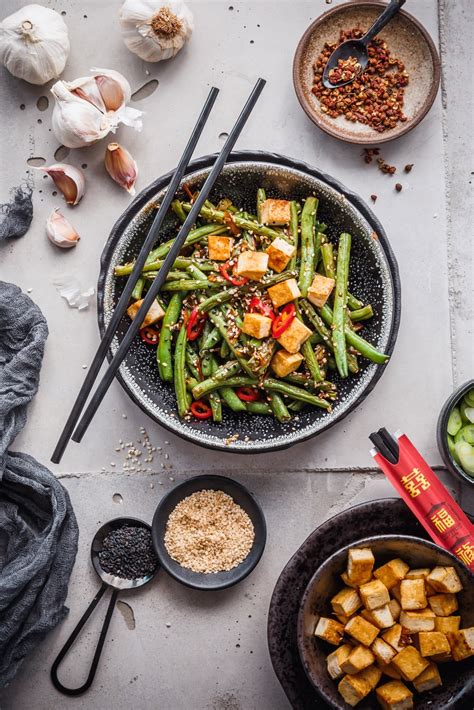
[[121, 167], [34, 44], [155, 29], [69, 180], [60, 232], [90, 107]]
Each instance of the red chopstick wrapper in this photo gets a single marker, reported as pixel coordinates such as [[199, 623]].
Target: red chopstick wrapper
[[429, 500]]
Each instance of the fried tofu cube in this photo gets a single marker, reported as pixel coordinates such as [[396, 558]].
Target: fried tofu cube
[[462, 643], [442, 657], [395, 637], [360, 562], [347, 581], [394, 695], [383, 652], [343, 618], [279, 254], [395, 609], [389, 670], [374, 594], [155, 313], [256, 325], [392, 572], [353, 689], [219, 248], [336, 658], [447, 623], [412, 592], [419, 573], [283, 362], [294, 336], [415, 621], [275, 212], [320, 290], [284, 292], [381, 618], [347, 601], [433, 643], [252, 264], [361, 630], [396, 593], [445, 579], [372, 675], [443, 604], [410, 662], [428, 679], [359, 658], [329, 630]]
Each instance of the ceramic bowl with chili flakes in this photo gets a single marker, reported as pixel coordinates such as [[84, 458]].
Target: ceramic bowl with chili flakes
[[391, 97]]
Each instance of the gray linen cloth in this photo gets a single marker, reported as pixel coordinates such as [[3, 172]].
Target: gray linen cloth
[[38, 529]]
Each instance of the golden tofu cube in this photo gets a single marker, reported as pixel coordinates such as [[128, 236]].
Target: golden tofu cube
[[447, 623], [279, 254], [410, 662], [396, 593], [294, 336], [395, 608], [219, 248], [360, 562], [344, 618], [389, 670], [394, 695], [462, 643], [320, 290], [256, 325], [372, 675], [252, 264], [383, 652], [442, 657], [415, 621], [420, 573], [283, 362], [374, 594], [336, 658], [433, 643], [329, 630], [428, 679], [381, 618], [359, 658], [347, 581], [155, 313], [347, 601], [412, 592], [392, 572], [443, 604], [361, 630], [395, 637], [275, 212], [445, 579], [284, 292], [353, 689]]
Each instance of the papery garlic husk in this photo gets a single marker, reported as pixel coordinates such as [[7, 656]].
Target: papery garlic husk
[[60, 232], [90, 107], [34, 44], [155, 29], [69, 180], [121, 166], [70, 288]]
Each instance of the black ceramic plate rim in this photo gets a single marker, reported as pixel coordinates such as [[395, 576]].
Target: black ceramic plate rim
[[234, 575], [278, 160], [451, 464]]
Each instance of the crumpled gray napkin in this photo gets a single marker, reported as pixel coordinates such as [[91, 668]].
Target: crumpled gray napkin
[[38, 529]]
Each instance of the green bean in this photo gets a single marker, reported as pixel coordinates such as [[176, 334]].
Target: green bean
[[315, 339], [294, 226], [277, 278], [261, 197], [227, 394], [195, 235], [196, 272], [192, 362], [218, 321], [361, 314], [182, 262], [325, 334], [242, 222], [354, 303], [190, 382], [177, 208], [211, 384], [309, 356], [340, 303], [211, 340], [317, 249], [295, 392], [217, 299], [224, 350], [138, 289], [182, 395], [258, 408], [298, 378], [362, 346], [214, 399], [294, 406], [329, 263], [219, 377], [187, 285], [163, 351], [278, 407], [308, 219]]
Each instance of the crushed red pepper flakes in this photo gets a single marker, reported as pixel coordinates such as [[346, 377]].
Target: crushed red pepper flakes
[[346, 70]]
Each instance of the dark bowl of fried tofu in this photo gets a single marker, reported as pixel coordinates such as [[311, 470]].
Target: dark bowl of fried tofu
[[389, 622]]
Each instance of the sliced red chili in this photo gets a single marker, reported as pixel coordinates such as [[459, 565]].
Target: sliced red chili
[[188, 192], [229, 222], [234, 280], [247, 394], [195, 324], [200, 409], [256, 305], [283, 320], [150, 334]]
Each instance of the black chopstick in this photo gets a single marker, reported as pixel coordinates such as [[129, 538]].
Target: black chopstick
[[168, 262], [132, 279]]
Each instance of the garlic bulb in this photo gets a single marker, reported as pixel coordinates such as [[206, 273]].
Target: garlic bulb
[[34, 44], [155, 29], [60, 232], [68, 179], [121, 166], [90, 107]]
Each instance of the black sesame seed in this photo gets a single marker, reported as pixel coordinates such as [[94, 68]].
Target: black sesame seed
[[128, 553]]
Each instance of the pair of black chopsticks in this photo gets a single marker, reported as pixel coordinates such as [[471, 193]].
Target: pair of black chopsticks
[[158, 282], [386, 444]]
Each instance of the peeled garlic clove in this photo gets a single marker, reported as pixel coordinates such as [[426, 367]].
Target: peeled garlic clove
[[68, 179], [121, 166], [60, 232]]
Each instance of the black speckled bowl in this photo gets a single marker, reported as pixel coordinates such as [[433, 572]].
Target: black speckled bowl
[[441, 431], [326, 582], [374, 278]]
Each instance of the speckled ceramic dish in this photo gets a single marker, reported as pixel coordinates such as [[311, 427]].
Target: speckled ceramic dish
[[374, 278], [407, 40], [326, 582]]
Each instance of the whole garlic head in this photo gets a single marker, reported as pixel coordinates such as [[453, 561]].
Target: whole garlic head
[[34, 44], [155, 29]]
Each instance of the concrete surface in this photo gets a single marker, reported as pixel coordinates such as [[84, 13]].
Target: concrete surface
[[213, 653]]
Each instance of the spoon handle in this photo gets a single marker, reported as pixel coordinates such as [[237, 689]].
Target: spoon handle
[[390, 11]]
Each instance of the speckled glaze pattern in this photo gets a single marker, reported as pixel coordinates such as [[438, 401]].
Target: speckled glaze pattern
[[374, 278], [389, 516]]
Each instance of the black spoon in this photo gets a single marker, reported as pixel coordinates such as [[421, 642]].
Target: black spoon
[[357, 48]]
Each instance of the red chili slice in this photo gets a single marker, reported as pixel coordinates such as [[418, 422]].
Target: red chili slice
[[229, 222], [195, 324], [188, 192], [247, 394], [256, 305], [283, 320], [150, 334], [200, 409], [234, 280]]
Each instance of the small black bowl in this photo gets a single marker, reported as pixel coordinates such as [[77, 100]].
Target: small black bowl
[[217, 580], [441, 431]]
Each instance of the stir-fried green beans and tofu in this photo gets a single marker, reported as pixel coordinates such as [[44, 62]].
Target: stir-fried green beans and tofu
[[256, 313]]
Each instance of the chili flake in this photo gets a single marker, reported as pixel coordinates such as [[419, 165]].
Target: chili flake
[[346, 70]]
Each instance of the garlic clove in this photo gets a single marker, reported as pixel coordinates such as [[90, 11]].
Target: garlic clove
[[114, 76], [68, 179], [121, 166], [86, 88], [60, 232]]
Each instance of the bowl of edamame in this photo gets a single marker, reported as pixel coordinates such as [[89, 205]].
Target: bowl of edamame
[[455, 432]]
